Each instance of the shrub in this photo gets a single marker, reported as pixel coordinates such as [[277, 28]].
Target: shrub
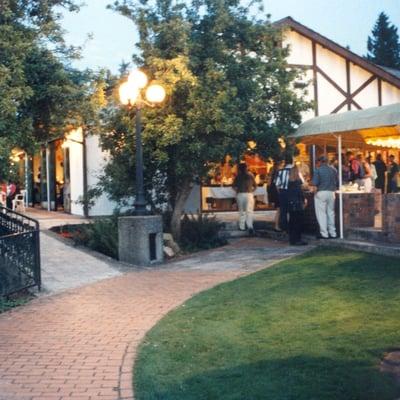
[[201, 231], [101, 236]]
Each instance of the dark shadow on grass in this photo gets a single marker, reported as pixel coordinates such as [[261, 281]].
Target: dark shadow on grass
[[297, 378]]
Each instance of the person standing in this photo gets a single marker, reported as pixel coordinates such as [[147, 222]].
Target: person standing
[[273, 195], [282, 184], [380, 168], [11, 192], [374, 175], [325, 179], [366, 178], [296, 204], [393, 172], [244, 186]]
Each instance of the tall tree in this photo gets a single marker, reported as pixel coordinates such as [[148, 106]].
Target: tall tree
[[383, 45], [41, 93], [227, 82]]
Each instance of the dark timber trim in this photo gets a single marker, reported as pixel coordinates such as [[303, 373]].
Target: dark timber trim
[[315, 80], [301, 66], [341, 51], [350, 98], [348, 85], [331, 81], [379, 91]]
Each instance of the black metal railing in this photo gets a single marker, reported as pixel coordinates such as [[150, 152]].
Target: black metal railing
[[19, 252]]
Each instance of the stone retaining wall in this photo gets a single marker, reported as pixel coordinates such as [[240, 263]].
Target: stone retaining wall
[[391, 217]]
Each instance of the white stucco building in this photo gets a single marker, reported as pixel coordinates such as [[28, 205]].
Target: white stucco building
[[338, 80]]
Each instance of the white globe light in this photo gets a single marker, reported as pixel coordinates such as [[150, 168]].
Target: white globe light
[[155, 93], [138, 78], [128, 93]]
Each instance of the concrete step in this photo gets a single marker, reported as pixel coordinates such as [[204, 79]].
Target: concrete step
[[391, 250], [366, 234]]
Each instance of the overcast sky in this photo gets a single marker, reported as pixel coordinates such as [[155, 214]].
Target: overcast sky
[[347, 22]]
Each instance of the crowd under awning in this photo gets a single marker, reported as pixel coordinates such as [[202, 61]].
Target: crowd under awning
[[363, 128], [372, 128]]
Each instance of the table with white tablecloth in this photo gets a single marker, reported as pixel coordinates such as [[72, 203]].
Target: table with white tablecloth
[[227, 193]]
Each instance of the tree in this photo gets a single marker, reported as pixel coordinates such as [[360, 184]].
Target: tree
[[41, 93], [384, 45], [227, 82]]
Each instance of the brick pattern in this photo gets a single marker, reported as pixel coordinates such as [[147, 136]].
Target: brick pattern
[[81, 344], [391, 217], [358, 210]]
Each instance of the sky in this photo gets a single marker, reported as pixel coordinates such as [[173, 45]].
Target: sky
[[346, 22]]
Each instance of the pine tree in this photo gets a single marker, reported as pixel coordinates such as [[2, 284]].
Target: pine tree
[[384, 45]]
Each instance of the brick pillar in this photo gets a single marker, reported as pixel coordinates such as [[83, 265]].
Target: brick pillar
[[391, 217]]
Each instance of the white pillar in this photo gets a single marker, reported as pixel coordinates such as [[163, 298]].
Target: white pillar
[[27, 186], [339, 150], [313, 157], [48, 178]]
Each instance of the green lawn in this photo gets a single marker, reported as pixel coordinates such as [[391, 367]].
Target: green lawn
[[313, 328]]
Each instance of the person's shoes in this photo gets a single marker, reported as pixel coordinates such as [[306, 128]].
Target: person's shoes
[[252, 232], [332, 237], [278, 230], [240, 229], [321, 237]]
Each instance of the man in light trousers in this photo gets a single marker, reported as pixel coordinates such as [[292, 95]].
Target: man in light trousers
[[245, 185], [325, 179]]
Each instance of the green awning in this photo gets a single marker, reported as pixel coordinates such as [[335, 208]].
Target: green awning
[[370, 118]]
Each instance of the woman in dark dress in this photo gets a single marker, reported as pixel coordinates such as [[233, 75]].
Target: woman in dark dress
[[296, 203], [380, 168], [273, 195]]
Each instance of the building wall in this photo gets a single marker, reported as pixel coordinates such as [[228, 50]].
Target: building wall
[[96, 159], [333, 78], [76, 177]]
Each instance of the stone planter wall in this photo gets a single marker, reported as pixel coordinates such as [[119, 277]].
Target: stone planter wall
[[358, 210], [391, 217]]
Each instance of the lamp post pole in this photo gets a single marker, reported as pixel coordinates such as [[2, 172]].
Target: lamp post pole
[[130, 95], [140, 239], [140, 198]]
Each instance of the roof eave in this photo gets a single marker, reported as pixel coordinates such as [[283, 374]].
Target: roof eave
[[336, 48]]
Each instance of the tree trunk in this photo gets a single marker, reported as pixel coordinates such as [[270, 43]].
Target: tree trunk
[[181, 197]]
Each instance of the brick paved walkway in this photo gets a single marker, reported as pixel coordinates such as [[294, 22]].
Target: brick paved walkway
[[81, 344]]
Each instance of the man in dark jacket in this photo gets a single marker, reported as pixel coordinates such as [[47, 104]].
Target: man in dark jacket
[[380, 168]]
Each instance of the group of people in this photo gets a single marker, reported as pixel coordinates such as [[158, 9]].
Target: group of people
[[292, 202], [11, 190], [286, 191], [370, 174]]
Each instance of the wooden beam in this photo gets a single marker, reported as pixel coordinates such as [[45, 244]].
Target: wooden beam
[[300, 66], [348, 84], [363, 86], [332, 82], [314, 66], [356, 104], [344, 102], [379, 91]]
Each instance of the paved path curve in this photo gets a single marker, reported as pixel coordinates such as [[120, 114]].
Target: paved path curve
[[81, 344]]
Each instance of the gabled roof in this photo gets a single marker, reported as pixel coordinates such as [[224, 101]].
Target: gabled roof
[[383, 73]]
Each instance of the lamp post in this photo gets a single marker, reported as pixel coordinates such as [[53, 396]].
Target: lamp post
[[130, 93]]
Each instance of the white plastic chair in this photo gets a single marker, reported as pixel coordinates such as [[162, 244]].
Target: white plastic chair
[[18, 204]]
